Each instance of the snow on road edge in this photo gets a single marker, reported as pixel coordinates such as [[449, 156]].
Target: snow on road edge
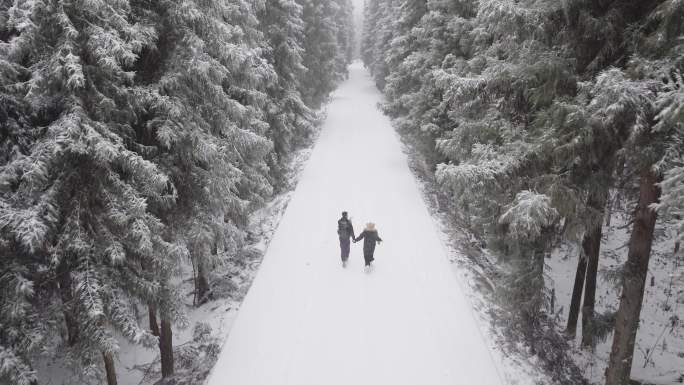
[[472, 273]]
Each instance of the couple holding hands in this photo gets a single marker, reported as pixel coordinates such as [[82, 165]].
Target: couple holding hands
[[370, 237]]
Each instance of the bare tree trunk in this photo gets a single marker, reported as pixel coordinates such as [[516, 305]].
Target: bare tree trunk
[[538, 286], [166, 346], [152, 315], [202, 284], [592, 246], [631, 299], [576, 300], [151, 306], [109, 368], [67, 296]]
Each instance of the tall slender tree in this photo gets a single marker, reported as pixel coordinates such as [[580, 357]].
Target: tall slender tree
[[322, 38], [291, 121]]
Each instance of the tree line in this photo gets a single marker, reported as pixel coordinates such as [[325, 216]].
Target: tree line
[[538, 119], [137, 137]]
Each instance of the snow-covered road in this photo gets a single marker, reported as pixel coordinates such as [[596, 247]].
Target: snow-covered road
[[308, 321]]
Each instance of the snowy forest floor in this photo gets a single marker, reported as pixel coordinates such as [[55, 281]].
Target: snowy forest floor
[[659, 349]]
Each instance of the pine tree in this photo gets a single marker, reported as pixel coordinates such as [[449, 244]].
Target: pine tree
[[344, 21], [76, 62], [383, 34], [657, 66], [529, 224], [291, 122], [206, 126], [370, 10], [402, 54], [326, 46]]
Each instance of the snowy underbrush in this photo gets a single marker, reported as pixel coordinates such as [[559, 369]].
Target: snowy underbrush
[[542, 359], [198, 339], [544, 355], [659, 348]]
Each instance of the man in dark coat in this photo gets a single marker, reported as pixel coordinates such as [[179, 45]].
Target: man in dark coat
[[370, 238], [345, 231]]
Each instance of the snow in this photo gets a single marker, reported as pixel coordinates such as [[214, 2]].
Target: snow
[[306, 320]]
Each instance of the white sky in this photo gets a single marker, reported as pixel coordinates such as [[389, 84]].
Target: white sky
[[358, 6]]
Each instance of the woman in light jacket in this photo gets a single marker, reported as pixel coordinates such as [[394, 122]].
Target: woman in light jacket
[[370, 238]]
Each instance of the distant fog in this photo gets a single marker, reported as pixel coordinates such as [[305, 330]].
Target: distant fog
[[358, 26]]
